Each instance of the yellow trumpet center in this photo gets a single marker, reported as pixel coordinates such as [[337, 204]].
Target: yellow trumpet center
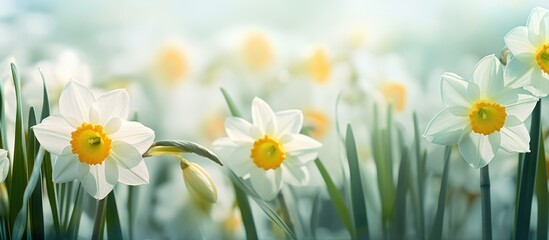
[[487, 117], [267, 153], [394, 93], [542, 57], [319, 66], [257, 51], [91, 144], [172, 64]]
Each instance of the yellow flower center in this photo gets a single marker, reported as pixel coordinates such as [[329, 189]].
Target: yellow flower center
[[267, 153], [172, 64], [542, 57], [394, 93], [319, 123], [257, 51], [90, 143], [487, 117], [319, 66]]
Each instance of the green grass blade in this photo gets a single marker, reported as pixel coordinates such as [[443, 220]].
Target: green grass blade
[[241, 198], [36, 212], [74, 222], [50, 190], [357, 193], [486, 203], [45, 99], [336, 198], [21, 217], [419, 179], [527, 181], [436, 229], [114, 230], [19, 170], [399, 210], [541, 193], [99, 220]]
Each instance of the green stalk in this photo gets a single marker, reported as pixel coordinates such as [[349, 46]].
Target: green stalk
[[436, 229], [527, 181], [486, 203], [541, 193], [99, 220], [419, 178], [358, 201]]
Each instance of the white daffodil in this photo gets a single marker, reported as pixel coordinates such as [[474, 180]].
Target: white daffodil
[[269, 150], [94, 142], [529, 67], [482, 116], [4, 165]]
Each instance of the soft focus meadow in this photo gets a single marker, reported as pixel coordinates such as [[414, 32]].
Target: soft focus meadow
[[274, 119]]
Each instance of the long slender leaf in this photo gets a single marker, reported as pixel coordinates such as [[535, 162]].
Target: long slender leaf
[[336, 198], [436, 229], [132, 202], [541, 193], [36, 212], [183, 146], [19, 172], [114, 230], [99, 220], [527, 181], [21, 218], [419, 179], [399, 210], [74, 222], [241, 198], [357, 193]]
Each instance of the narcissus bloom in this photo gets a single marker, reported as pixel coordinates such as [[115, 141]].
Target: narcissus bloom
[[269, 150], [482, 116], [529, 45], [94, 142]]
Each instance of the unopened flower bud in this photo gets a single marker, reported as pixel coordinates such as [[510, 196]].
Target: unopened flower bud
[[199, 182]]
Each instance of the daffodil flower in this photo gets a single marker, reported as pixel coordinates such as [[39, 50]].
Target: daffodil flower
[[483, 115], [269, 150], [94, 142], [529, 45]]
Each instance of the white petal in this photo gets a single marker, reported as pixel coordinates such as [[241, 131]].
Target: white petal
[[477, 149], [488, 75], [518, 43], [263, 116], [456, 91], [134, 133], [238, 159], [225, 142], [535, 18], [75, 101], [293, 174], [238, 129], [131, 166], [4, 165], [539, 85], [113, 104], [544, 27], [289, 122], [302, 147], [67, 167], [101, 179], [267, 184], [515, 139], [518, 73], [518, 103], [446, 128], [54, 134]]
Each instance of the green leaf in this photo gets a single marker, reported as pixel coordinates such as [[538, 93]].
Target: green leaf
[[336, 198], [76, 215], [357, 194], [99, 222], [486, 203], [245, 212], [181, 146], [436, 229], [45, 99], [50, 189], [21, 217], [132, 202], [114, 230], [541, 193], [35, 205], [262, 204], [420, 173], [527, 181], [399, 210], [230, 103], [19, 170]]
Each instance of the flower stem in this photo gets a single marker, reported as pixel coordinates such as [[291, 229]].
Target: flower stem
[[285, 212], [486, 205], [99, 219]]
